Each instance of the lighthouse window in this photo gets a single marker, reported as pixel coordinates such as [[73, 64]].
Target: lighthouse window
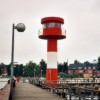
[[52, 24]]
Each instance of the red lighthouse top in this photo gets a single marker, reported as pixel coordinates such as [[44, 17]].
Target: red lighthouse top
[[52, 28], [52, 19]]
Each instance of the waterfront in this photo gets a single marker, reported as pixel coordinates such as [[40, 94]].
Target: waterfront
[[22, 87], [3, 82], [73, 89]]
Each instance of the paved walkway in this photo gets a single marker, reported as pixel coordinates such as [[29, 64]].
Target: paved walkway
[[25, 91], [4, 93]]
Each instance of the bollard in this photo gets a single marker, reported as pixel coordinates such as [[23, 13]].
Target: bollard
[[49, 90], [70, 97], [92, 95], [63, 94], [99, 96], [53, 90], [79, 92], [8, 81]]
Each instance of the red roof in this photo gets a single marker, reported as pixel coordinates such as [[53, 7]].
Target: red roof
[[52, 19]]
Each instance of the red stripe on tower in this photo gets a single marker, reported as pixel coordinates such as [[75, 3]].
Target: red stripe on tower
[[52, 45]]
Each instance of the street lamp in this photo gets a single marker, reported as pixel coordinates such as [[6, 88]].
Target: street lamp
[[41, 73], [20, 28], [34, 72]]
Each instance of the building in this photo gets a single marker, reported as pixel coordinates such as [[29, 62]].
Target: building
[[86, 69]]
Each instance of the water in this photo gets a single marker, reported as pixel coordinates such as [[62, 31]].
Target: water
[[77, 98], [3, 82]]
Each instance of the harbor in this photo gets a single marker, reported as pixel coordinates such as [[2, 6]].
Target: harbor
[[39, 89], [49, 50], [72, 91]]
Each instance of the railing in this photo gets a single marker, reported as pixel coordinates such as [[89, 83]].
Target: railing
[[64, 31], [82, 80], [40, 31], [69, 81], [65, 88]]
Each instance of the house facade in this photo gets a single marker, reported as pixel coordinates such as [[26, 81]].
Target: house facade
[[89, 70]]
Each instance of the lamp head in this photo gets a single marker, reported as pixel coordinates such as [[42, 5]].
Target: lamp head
[[20, 27]]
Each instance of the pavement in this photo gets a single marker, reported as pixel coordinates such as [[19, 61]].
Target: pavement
[[26, 91], [4, 93]]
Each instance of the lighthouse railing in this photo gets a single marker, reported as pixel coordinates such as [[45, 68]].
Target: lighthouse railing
[[63, 31], [40, 31]]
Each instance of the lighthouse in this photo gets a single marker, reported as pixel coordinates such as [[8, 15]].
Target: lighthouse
[[52, 31]]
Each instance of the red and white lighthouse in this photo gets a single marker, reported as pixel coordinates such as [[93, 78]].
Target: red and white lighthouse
[[52, 32]]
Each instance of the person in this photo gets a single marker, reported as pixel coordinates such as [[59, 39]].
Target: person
[[9, 81], [14, 81]]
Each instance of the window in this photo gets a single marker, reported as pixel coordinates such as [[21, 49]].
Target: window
[[81, 71], [89, 71], [79, 67], [51, 25]]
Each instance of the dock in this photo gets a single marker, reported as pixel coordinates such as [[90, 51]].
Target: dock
[[5, 92], [41, 90], [26, 91]]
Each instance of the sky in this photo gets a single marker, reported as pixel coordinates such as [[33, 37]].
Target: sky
[[81, 21]]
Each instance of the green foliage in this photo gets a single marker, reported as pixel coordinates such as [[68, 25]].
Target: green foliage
[[32, 69], [8, 69], [18, 70], [74, 75], [76, 62], [0, 71], [87, 64], [62, 74], [43, 66], [63, 67], [37, 70], [29, 69]]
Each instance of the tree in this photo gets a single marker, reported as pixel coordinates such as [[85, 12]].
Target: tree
[[9, 69], [18, 70], [65, 67], [87, 64], [0, 71], [76, 62], [98, 64], [29, 69], [38, 70], [60, 67], [43, 66]]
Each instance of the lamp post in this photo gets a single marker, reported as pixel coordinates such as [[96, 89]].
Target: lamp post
[[20, 28], [34, 72], [41, 73]]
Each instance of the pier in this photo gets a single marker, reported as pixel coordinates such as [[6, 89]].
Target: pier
[[26, 91], [80, 90], [38, 89], [5, 92]]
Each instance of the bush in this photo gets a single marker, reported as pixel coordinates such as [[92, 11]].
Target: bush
[[74, 75]]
